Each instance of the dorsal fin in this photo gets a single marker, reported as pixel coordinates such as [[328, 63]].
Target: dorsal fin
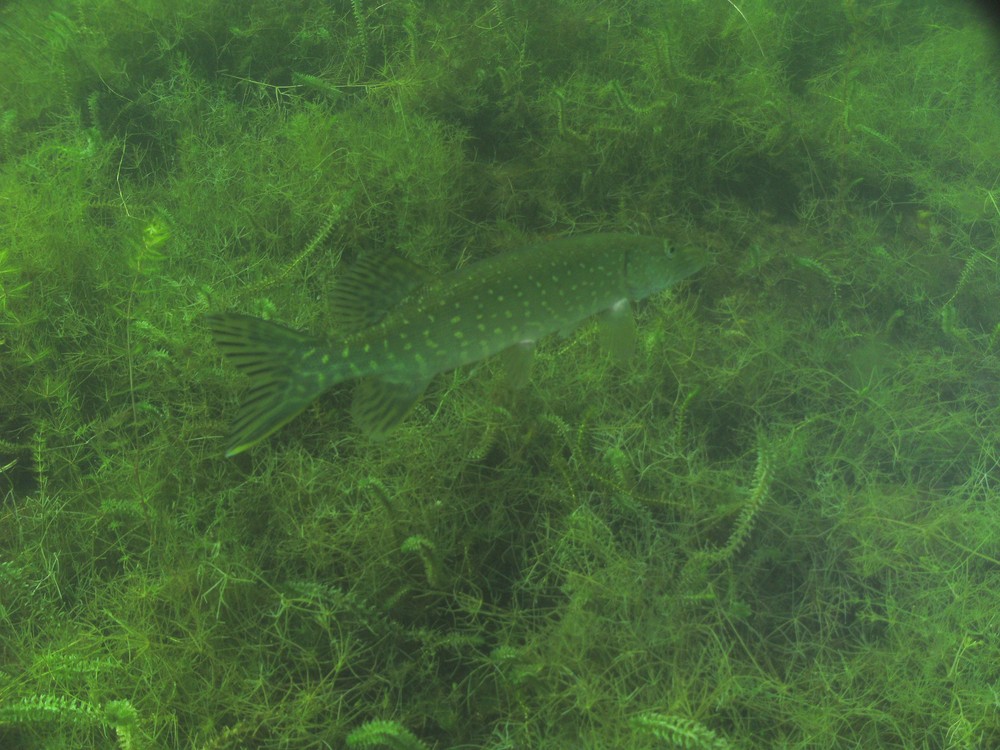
[[371, 287]]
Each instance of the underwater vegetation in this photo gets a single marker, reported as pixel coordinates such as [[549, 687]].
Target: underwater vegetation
[[774, 526]]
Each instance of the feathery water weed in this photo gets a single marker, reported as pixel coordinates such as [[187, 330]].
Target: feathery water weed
[[119, 716], [425, 549], [390, 735], [679, 732]]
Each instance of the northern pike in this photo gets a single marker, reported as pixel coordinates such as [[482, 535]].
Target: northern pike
[[400, 326]]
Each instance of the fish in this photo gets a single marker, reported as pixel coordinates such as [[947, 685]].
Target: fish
[[400, 325]]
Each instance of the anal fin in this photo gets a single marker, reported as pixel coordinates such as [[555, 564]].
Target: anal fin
[[380, 405]]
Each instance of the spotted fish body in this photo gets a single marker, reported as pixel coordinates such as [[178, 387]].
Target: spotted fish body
[[404, 327]]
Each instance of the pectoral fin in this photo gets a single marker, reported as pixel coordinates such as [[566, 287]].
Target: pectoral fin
[[517, 361], [617, 331]]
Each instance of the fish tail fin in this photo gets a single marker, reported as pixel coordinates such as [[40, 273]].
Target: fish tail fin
[[283, 377]]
